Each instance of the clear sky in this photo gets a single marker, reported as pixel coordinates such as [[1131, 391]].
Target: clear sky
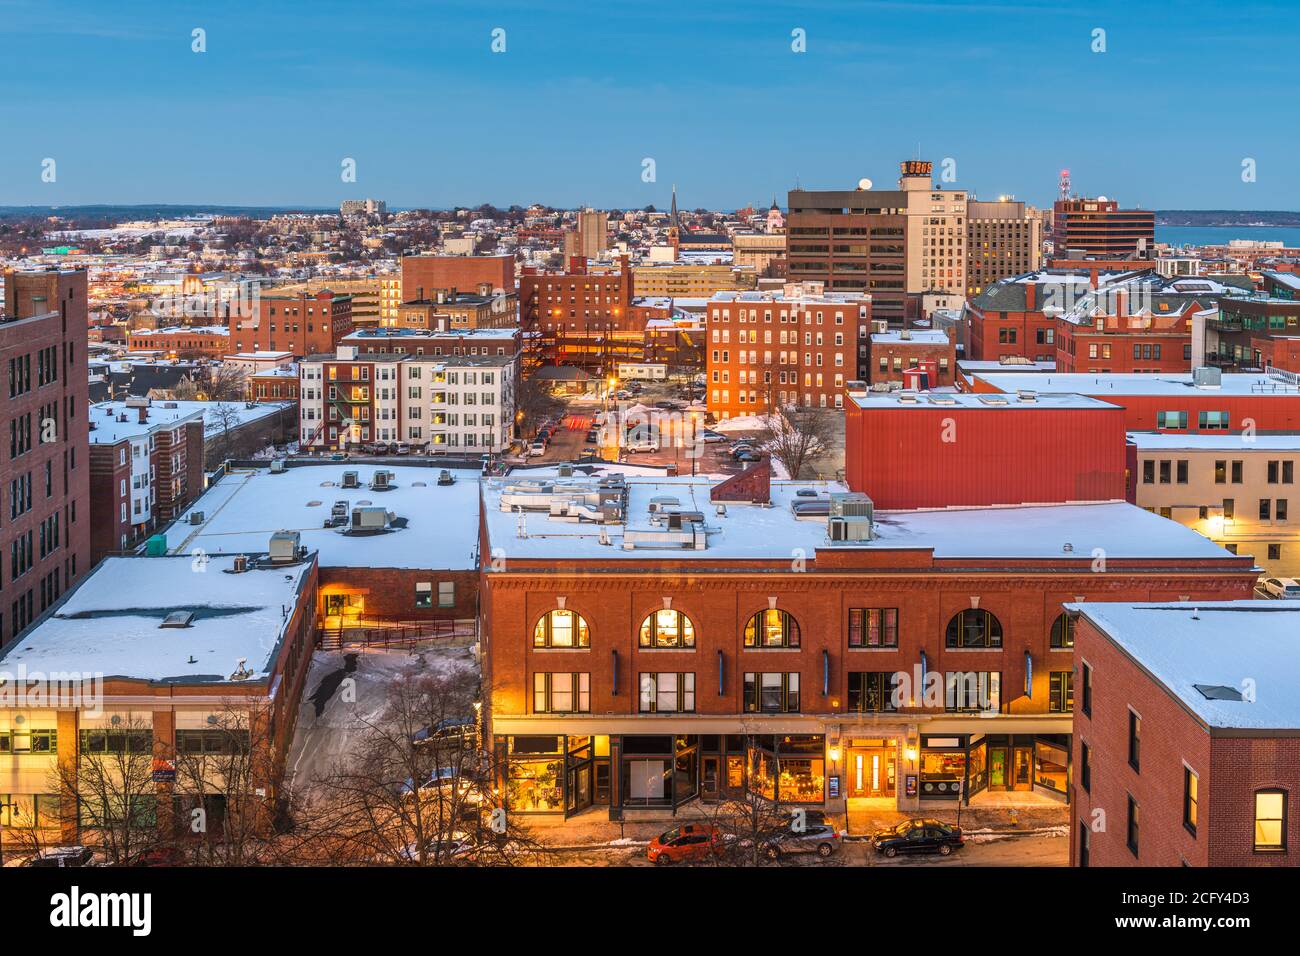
[[711, 90]]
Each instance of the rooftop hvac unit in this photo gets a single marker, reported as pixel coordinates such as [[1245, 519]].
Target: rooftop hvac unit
[[1207, 377], [196, 517], [849, 529], [1026, 395], [369, 519], [240, 564], [178, 619], [663, 503], [445, 478], [908, 398], [284, 546], [565, 471], [277, 466], [851, 504], [351, 480], [382, 481]]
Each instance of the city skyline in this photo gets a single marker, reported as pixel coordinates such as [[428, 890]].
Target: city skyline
[[236, 121]]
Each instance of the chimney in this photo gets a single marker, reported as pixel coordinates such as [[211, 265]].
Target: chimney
[[1031, 297], [144, 415]]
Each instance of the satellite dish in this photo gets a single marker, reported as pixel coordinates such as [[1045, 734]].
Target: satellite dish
[[864, 183], [1101, 199]]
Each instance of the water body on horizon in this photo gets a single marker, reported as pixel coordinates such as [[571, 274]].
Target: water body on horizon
[[1222, 235]]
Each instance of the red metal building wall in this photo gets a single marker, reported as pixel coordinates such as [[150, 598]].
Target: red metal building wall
[[942, 456]]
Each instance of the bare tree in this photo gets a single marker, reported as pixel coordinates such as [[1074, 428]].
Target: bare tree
[[798, 436], [112, 789], [213, 383], [224, 778], [418, 790], [534, 399]]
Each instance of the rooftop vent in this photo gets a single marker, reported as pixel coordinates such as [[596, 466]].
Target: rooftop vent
[[1026, 395], [908, 398], [178, 619], [1218, 692], [941, 399], [993, 399], [445, 477], [241, 671]]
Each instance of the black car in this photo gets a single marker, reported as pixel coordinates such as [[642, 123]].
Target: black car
[[63, 856], [919, 836]]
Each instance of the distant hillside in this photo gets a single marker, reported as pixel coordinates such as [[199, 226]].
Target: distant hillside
[[118, 213], [1226, 217]]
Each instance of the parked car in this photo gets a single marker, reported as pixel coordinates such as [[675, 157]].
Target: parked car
[[1283, 587], [747, 455], [159, 856], [820, 838], [401, 448], [63, 856], [591, 436], [919, 836], [641, 444], [741, 443], [710, 437], [668, 404], [688, 843], [537, 448]]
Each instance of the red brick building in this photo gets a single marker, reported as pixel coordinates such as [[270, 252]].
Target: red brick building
[[930, 351], [650, 642], [305, 323], [424, 275], [800, 346], [44, 477], [188, 341], [583, 316], [1018, 317], [1186, 746], [1129, 332], [146, 465], [942, 449]]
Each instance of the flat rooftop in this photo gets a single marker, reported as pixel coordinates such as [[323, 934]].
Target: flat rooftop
[[978, 400], [108, 430], [758, 532], [1177, 441], [243, 509], [110, 623], [394, 332], [1253, 384], [913, 337], [1220, 646]]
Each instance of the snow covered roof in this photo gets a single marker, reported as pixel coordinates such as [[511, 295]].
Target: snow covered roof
[[759, 532], [110, 624], [1165, 441], [242, 510], [167, 414], [1254, 384], [992, 401], [1247, 646], [913, 337]]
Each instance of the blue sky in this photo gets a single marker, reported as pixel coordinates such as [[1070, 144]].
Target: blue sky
[[584, 92]]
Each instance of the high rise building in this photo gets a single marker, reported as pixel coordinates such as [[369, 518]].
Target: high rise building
[[1099, 228], [1003, 238], [45, 477], [897, 245]]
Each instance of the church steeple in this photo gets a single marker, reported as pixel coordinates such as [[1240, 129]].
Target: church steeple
[[674, 227]]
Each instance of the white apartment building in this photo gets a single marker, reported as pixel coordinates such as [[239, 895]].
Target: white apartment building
[[460, 404]]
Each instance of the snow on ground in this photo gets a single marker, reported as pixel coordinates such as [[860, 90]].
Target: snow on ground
[[321, 741], [741, 423]]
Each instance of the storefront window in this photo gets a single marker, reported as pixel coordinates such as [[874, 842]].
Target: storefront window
[[1051, 766], [942, 772], [802, 781], [534, 785], [977, 767]]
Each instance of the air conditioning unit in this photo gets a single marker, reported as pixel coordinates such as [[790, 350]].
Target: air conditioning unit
[[284, 546], [241, 563], [351, 480], [277, 466], [369, 519], [1207, 377], [849, 529], [196, 517], [382, 481], [851, 504]]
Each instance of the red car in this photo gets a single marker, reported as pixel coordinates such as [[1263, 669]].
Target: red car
[[688, 843]]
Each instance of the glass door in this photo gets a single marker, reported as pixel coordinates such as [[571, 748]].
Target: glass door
[[1023, 763], [997, 768]]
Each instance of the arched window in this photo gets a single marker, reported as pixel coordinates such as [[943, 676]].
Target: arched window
[[560, 628], [772, 628], [1063, 631], [974, 627], [667, 628]]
